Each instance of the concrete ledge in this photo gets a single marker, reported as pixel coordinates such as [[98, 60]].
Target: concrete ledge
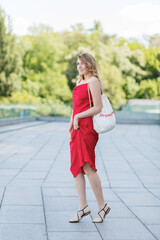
[[8, 121], [55, 119], [137, 117], [138, 121], [122, 117], [118, 120]]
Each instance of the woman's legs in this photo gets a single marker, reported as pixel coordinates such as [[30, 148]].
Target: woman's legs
[[97, 189], [81, 189], [95, 184]]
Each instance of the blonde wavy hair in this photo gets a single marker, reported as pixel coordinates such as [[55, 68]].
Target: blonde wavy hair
[[91, 66]]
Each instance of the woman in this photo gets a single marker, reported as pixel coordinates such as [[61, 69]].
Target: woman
[[83, 138]]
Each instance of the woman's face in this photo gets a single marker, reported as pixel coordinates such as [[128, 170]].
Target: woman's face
[[81, 67]]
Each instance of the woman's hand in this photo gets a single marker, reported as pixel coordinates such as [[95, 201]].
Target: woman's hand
[[69, 135], [75, 124]]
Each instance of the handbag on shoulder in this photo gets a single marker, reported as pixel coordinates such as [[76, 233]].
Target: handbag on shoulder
[[105, 120]]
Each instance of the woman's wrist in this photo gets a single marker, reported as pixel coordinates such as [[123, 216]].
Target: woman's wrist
[[70, 127]]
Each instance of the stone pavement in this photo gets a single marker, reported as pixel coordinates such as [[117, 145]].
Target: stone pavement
[[37, 190]]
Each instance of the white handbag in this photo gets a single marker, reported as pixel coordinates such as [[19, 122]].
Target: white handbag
[[105, 120]]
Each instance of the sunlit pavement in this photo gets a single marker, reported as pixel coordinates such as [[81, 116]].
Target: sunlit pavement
[[38, 194]]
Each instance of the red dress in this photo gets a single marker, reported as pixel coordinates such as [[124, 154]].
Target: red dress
[[83, 139]]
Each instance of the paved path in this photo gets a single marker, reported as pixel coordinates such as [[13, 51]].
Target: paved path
[[38, 194]]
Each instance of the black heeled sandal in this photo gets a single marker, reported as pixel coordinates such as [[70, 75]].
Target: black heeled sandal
[[105, 213], [83, 215]]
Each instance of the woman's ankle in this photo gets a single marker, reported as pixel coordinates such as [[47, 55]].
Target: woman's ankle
[[100, 206], [81, 206]]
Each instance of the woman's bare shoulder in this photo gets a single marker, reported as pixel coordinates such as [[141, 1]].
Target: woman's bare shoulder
[[93, 79], [94, 83]]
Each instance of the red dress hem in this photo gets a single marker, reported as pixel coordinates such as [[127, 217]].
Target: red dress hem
[[81, 169]]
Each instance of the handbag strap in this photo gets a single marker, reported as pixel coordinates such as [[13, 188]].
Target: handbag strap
[[89, 96]]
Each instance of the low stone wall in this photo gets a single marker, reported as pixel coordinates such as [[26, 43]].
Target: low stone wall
[[121, 117], [9, 121]]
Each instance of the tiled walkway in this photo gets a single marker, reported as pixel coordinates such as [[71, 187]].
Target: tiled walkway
[[37, 190]]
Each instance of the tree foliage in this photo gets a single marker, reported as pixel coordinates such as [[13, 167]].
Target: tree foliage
[[41, 66], [10, 58]]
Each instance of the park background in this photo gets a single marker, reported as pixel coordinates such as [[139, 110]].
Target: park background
[[40, 42]]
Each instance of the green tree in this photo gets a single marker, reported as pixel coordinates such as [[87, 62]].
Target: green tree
[[152, 67], [43, 64], [130, 87], [10, 58], [112, 81], [147, 90]]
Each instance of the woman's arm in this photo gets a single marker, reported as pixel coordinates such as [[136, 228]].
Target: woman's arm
[[97, 100], [71, 119], [71, 123]]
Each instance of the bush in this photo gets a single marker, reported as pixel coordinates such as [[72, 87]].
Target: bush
[[148, 89], [54, 109], [20, 97]]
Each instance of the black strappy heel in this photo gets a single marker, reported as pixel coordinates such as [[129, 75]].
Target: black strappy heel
[[105, 213], [84, 214]]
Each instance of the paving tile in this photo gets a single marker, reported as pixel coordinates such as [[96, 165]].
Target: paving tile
[[155, 229], [7, 171], [4, 180], [130, 190], [22, 231], [21, 214], [151, 181], [1, 193], [36, 160], [59, 192], [31, 175], [155, 191], [22, 196], [139, 199], [79, 235], [60, 203], [14, 163], [38, 166], [118, 209], [127, 228], [122, 176], [148, 215], [52, 184], [26, 182], [125, 183], [59, 221]]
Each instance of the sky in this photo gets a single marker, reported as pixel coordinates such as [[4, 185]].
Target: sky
[[126, 18]]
